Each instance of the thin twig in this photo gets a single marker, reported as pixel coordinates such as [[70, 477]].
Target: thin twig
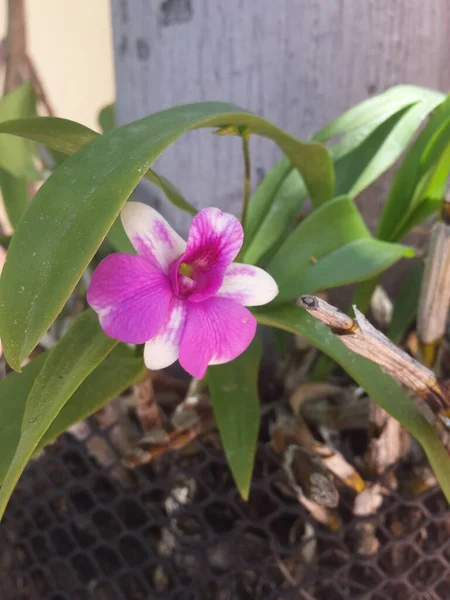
[[19, 67], [16, 44]]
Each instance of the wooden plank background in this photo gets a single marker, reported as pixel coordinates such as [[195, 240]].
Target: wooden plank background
[[298, 63]]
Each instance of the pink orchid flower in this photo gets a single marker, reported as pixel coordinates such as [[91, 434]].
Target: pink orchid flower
[[184, 301]]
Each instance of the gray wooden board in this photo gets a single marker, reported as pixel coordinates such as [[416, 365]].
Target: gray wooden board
[[298, 63]]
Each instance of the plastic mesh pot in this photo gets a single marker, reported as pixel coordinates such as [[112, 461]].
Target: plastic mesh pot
[[177, 529]]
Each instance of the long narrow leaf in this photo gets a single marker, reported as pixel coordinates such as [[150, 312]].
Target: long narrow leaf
[[234, 396], [376, 109], [404, 196], [15, 196], [68, 364], [117, 372], [16, 155], [67, 137]]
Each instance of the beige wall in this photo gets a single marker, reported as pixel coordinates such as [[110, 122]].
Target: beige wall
[[70, 42]]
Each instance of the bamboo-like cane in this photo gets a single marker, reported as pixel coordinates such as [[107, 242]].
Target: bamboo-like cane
[[434, 301]]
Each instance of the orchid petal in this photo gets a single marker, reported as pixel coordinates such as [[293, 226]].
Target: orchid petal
[[131, 296], [151, 235], [214, 241], [163, 350], [248, 285], [216, 331]]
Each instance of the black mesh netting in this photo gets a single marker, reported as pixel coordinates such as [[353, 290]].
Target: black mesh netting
[[176, 528]]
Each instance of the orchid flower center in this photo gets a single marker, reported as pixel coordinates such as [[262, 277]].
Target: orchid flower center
[[185, 269]]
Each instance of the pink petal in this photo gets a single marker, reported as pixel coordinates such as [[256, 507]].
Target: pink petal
[[131, 296], [151, 235], [248, 285], [162, 350], [216, 331], [214, 241]]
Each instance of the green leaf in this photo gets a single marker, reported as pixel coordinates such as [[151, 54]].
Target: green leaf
[[382, 148], [68, 364], [15, 196], [107, 118], [114, 375], [284, 207], [332, 225], [379, 386], [14, 390], [406, 193], [352, 165], [405, 307], [234, 396], [74, 209], [16, 156], [67, 137], [377, 109], [262, 199], [353, 262], [331, 247]]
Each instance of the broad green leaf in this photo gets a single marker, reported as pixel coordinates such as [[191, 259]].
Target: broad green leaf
[[370, 147], [377, 109], [67, 365], [431, 188], [107, 118], [234, 396], [15, 196], [16, 155], [352, 165], [356, 261], [410, 181], [67, 137], [330, 226], [74, 209], [279, 218], [379, 386], [331, 247], [116, 235], [114, 375], [418, 188], [382, 148], [355, 138], [405, 307]]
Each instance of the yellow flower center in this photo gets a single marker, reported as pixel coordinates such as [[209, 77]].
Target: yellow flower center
[[186, 269]]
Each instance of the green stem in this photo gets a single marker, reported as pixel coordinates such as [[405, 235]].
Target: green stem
[[246, 153]]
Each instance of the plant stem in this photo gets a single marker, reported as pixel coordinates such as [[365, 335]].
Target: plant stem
[[246, 153]]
